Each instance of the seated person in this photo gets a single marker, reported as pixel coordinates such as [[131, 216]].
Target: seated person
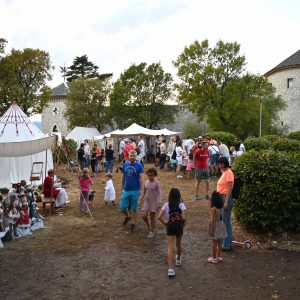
[[52, 189]]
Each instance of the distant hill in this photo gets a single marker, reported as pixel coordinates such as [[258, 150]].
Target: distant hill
[[38, 124]]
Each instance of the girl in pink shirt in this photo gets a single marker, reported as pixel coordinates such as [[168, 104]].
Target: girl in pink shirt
[[84, 182]]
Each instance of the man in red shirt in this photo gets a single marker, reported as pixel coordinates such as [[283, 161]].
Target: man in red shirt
[[126, 150], [201, 157]]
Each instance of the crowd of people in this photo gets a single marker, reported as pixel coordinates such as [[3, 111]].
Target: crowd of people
[[203, 158]]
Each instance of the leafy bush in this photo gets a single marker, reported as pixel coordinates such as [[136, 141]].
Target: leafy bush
[[226, 137], [67, 151], [285, 144], [270, 196], [294, 135], [272, 137], [257, 143]]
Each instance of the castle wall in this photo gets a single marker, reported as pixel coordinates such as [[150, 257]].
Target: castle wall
[[53, 115], [291, 116]]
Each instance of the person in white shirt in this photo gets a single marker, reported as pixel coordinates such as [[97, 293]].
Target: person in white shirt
[[224, 151], [141, 146], [188, 145], [214, 155], [163, 154], [240, 148], [87, 153], [179, 157]]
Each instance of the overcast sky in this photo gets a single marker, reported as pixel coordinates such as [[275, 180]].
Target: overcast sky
[[117, 33]]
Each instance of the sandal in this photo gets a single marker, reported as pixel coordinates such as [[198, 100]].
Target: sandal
[[212, 260]]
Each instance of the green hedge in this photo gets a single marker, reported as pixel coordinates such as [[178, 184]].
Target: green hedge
[[294, 135], [226, 137], [272, 137], [253, 143], [269, 200], [285, 144]]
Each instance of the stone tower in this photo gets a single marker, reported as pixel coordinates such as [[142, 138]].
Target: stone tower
[[53, 118], [285, 77]]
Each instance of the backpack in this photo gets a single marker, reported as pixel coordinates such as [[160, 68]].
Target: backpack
[[175, 217], [237, 185], [174, 155]]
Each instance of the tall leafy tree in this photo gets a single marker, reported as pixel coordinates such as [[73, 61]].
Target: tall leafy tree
[[140, 95], [87, 103], [215, 85], [82, 67], [23, 77]]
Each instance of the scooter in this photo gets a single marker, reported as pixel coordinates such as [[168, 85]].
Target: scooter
[[244, 245]]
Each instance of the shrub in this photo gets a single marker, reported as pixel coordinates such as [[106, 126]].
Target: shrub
[[272, 137], [285, 144], [67, 151], [294, 135], [257, 143], [269, 200], [226, 137]]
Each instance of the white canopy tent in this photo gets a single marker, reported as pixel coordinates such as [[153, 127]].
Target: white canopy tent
[[21, 144], [79, 134], [135, 129]]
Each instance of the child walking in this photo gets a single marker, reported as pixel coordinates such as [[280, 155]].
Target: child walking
[[110, 194], [174, 222], [190, 165], [217, 227], [152, 200], [84, 182]]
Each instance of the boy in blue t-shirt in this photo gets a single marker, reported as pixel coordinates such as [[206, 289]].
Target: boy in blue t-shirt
[[132, 182]]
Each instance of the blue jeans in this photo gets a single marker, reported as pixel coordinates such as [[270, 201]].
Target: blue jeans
[[109, 166], [227, 242]]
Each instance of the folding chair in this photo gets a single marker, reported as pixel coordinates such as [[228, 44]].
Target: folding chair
[[37, 171]]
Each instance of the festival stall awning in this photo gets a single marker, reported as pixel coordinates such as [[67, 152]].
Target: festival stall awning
[[135, 129], [17, 149]]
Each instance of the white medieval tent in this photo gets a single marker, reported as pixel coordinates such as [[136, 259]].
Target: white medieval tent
[[21, 144], [79, 134]]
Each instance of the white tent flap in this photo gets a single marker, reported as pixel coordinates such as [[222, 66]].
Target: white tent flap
[[16, 149]]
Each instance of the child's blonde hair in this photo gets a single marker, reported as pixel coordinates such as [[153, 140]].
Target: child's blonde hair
[[109, 175], [85, 173]]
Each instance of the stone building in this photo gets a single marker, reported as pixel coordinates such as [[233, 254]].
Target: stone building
[[285, 77], [53, 118]]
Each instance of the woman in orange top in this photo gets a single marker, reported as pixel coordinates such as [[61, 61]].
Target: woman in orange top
[[224, 187]]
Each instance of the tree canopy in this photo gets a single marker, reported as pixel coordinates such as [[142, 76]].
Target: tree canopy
[[140, 95], [87, 103], [23, 77], [82, 67], [215, 86]]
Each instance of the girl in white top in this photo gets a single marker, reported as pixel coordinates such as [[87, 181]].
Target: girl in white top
[[174, 211], [110, 194], [179, 157]]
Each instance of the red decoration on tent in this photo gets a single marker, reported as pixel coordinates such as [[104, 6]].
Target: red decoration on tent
[[16, 116]]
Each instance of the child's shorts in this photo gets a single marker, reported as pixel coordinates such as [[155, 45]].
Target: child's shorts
[[175, 229]]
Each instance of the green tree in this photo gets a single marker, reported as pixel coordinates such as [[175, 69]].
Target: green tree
[[82, 67], [23, 77], [140, 95], [214, 85], [87, 103]]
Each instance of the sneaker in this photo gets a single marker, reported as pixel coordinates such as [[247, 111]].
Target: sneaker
[[171, 273], [126, 220], [207, 197], [179, 176], [219, 259], [178, 261], [151, 235], [132, 228], [212, 260], [197, 197]]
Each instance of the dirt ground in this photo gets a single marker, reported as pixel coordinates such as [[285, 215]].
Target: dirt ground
[[74, 257]]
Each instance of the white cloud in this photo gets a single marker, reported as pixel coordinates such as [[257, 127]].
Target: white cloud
[[116, 33]]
